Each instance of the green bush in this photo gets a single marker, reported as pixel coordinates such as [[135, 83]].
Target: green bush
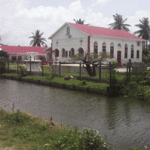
[[75, 140], [91, 140], [2, 65], [84, 82], [17, 117], [23, 71]]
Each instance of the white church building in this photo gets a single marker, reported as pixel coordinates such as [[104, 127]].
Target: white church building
[[71, 39]]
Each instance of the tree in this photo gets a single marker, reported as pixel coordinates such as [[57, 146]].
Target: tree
[[119, 23], [3, 54], [79, 21], [3, 58], [37, 39], [90, 61], [144, 27]]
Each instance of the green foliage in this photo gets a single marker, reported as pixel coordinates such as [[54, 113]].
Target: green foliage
[[91, 140], [3, 54], [23, 71], [135, 148], [84, 82], [17, 117], [75, 140], [114, 64], [133, 89], [2, 65]]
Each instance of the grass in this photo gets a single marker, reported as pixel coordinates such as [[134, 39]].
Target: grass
[[48, 70], [61, 80], [13, 66], [21, 130]]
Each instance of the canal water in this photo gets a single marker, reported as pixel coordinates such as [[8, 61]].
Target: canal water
[[124, 121]]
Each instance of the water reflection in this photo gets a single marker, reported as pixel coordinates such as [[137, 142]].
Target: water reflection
[[125, 121], [111, 107]]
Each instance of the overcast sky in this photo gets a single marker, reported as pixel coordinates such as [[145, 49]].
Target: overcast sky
[[18, 18]]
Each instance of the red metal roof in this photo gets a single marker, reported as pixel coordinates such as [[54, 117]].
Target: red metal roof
[[22, 49], [100, 31]]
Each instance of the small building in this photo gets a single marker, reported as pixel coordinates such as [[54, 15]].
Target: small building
[[71, 39], [20, 52]]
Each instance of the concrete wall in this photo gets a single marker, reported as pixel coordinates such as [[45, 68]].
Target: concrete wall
[[73, 69]]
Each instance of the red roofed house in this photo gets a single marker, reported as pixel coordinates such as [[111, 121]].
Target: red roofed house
[[72, 38], [20, 52]]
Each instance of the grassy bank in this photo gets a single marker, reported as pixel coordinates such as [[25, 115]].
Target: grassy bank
[[61, 80], [21, 130]]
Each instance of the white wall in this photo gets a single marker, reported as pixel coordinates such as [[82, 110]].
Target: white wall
[[67, 43], [116, 41]]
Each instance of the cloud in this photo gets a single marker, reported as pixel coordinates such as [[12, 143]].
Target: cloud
[[132, 20], [17, 21], [98, 2]]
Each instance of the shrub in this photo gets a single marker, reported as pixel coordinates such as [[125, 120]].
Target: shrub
[[91, 140], [87, 140], [17, 117], [84, 82], [22, 71], [2, 65]]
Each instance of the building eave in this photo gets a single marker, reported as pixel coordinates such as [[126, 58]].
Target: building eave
[[57, 31]]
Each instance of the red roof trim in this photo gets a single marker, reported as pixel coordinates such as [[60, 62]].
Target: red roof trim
[[100, 31], [22, 49]]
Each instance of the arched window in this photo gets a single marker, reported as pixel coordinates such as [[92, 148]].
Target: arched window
[[132, 51], [19, 58], [126, 51], [119, 45], [81, 51], [68, 31], [112, 50], [71, 52], [63, 52], [56, 53], [104, 47], [96, 48], [138, 54], [66, 53], [13, 58]]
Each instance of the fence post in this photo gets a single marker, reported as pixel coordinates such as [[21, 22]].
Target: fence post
[[129, 69], [8, 65], [17, 66], [42, 68], [100, 70], [80, 71], [110, 73], [59, 68], [30, 64], [127, 73]]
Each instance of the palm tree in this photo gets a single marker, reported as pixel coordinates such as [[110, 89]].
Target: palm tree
[[79, 21], [37, 39], [144, 27], [119, 23]]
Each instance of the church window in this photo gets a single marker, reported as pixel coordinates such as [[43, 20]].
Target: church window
[[104, 47], [112, 50], [126, 51], [96, 48]]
